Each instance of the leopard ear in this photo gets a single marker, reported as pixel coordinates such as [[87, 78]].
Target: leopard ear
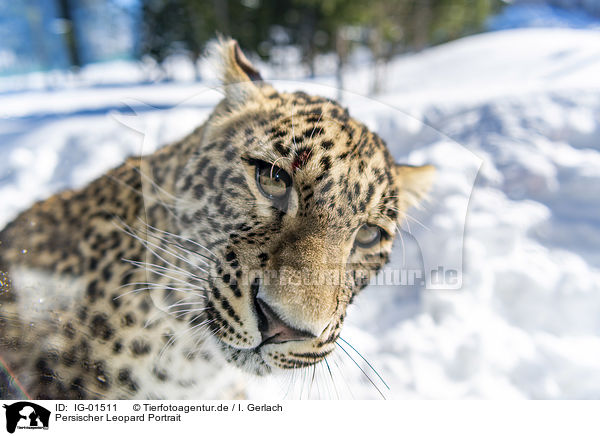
[[239, 77], [414, 182]]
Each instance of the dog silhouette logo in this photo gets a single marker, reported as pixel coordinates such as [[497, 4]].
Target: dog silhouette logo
[[26, 415]]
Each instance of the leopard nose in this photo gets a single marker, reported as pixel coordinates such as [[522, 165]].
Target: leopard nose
[[272, 329]]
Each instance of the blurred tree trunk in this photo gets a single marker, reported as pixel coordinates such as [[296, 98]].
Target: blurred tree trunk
[[308, 30], [342, 51], [311, 65], [422, 24], [309, 54], [196, 55], [378, 76], [375, 46], [222, 16], [70, 37]]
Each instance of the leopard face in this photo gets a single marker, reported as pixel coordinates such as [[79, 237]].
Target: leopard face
[[298, 205]]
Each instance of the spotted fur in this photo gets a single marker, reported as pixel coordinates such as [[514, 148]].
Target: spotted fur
[[143, 284]]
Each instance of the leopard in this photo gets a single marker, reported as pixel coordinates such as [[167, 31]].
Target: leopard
[[234, 252]]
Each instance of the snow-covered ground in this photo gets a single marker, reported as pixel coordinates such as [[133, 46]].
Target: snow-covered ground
[[522, 107]]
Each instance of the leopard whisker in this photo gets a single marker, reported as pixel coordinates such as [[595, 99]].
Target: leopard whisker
[[180, 303], [151, 285], [158, 273], [169, 208], [302, 370], [178, 334], [306, 371], [293, 133], [362, 370], [175, 255], [157, 186], [153, 268], [170, 341], [320, 116], [331, 377], [217, 331], [128, 230], [417, 221], [366, 361], [196, 330], [184, 249], [159, 287], [293, 382], [149, 244], [290, 383], [324, 382], [177, 245], [184, 239], [403, 246], [201, 334], [184, 312], [407, 215], [273, 164], [337, 361], [312, 381], [190, 252], [318, 372]]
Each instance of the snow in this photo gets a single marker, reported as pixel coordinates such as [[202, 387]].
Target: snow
[[511, 120]]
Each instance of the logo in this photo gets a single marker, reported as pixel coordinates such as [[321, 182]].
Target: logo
[[26, 415]]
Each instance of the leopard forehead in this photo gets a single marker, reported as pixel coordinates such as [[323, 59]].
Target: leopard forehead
[[296, 128], [317, 142]]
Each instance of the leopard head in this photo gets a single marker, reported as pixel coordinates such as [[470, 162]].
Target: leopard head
[[299, 204]]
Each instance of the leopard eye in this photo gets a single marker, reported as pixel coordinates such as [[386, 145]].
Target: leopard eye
[[272, 181], [367, 236]]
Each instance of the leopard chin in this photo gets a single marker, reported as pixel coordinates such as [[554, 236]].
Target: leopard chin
[[250, 361]]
